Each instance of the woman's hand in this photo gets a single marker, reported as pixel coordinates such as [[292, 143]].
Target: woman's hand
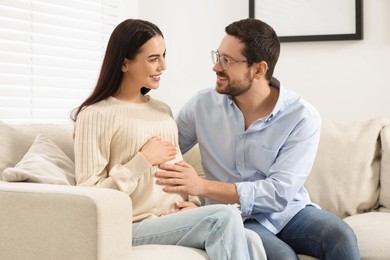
[[157, 151], [180, 206]]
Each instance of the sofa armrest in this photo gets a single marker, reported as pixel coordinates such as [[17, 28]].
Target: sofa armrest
[[41, 221]]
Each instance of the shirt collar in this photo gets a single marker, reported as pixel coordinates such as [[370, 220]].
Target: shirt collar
[[285, 98]]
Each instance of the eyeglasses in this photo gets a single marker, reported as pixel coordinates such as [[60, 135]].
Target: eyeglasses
[[223, 60]]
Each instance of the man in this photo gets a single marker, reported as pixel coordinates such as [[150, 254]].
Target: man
[[258, 142]]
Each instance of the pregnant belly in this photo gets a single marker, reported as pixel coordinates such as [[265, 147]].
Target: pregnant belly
[[149, 199]]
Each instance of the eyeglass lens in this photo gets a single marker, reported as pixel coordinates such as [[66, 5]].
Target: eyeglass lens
[[216, 58]]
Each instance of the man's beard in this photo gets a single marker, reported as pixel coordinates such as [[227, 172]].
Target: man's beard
[[237, 87]]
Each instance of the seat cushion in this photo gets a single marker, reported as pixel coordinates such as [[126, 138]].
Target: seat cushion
[[373, 234], [167, 252]]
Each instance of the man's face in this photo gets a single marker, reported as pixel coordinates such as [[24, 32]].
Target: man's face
[[233, 75]]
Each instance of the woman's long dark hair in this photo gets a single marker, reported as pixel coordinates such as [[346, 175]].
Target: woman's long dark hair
[[125, 42]]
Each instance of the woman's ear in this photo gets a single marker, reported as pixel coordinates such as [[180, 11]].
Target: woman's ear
[[260, 69], [124, 65]]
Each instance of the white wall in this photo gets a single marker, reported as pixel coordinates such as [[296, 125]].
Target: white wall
[[130, 9], [191, 29], [345, 80]]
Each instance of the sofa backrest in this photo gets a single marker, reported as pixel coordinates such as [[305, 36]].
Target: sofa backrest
[[345, 178], [384, 197], [351, 172], [15, 141]]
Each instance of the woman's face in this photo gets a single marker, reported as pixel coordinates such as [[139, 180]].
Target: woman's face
[[145, 70]]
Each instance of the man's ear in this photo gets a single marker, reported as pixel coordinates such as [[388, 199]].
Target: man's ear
[[260, 69]]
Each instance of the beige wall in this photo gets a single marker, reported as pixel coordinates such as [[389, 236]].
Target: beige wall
[[345, 80]]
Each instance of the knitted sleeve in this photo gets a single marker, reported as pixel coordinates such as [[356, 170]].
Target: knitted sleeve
[[93, 134]]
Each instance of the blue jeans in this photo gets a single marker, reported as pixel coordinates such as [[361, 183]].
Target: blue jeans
[[218, 229], [313, 232]]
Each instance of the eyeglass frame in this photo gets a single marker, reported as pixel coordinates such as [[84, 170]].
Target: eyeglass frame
[[216, 58]]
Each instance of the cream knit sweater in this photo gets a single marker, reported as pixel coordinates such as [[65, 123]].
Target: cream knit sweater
[[108, 137]]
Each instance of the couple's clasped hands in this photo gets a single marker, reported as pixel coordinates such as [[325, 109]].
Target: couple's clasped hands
[[180, 177]]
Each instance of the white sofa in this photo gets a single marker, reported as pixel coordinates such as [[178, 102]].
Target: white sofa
[[351, 178]]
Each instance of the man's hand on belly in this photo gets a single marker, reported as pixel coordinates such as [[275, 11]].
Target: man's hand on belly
[[180, 177]]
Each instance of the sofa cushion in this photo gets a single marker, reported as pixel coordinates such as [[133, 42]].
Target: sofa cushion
[[384, 197], [15, 140], [13, 146], [373, 234], [44, 162], [61, 134], [345, 175], [193, 158]]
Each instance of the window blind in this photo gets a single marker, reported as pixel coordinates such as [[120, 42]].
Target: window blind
[[50, 55]]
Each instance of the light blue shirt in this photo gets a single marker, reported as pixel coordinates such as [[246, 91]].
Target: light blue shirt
[[268, 162]]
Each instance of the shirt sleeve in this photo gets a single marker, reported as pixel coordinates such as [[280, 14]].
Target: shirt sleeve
[[286, 175], [93, 135], [186, 124]]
